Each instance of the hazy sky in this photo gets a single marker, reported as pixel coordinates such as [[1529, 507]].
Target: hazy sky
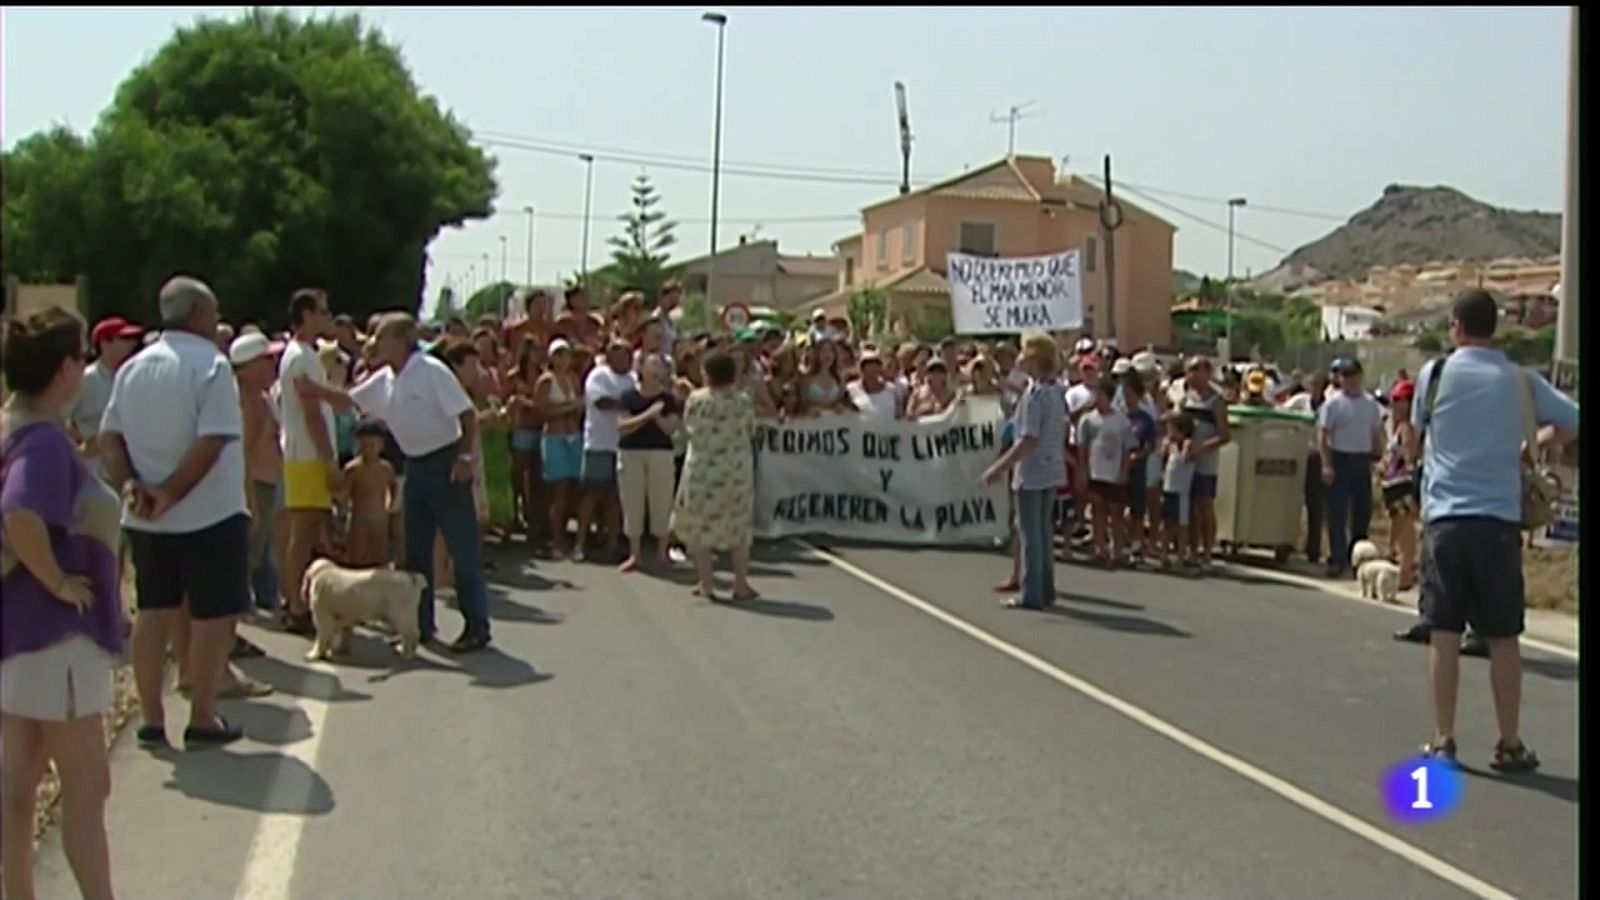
[[1310, 110]]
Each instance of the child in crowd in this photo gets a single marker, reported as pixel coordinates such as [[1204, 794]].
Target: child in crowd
[[1106, 447], [373, 493], [1177, 451]]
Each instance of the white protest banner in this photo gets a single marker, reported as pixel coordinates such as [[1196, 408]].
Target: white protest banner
[[988, 295], [897, 482]]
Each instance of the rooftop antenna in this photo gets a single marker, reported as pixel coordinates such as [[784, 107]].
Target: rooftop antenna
[[1013, 115], [905, 136]]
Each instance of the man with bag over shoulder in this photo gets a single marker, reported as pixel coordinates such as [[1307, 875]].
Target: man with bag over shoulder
[[1474, 512]]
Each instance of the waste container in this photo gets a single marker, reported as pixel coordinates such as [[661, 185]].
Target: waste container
[[1261, 479]]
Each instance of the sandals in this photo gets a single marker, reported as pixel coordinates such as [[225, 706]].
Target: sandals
[[1513, 758], [1438, 748], [745, 596], [151, 736], [227, 733]]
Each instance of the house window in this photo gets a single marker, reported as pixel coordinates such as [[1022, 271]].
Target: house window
[[883, 250], [977, 238], [908, 243], [1091, 249], [849, 270]]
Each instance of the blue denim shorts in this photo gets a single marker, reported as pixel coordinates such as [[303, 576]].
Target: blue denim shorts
[[525, 440], [561, 457]]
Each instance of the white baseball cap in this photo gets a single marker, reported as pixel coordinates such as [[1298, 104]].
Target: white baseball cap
[[558, 345], [1122, 366], [247, 348]]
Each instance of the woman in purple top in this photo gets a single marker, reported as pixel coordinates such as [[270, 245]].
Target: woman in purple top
[[60, 609]]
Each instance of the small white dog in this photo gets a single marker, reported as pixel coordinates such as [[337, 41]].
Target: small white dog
[[340, 599], [1380, 580], [1362, 553]]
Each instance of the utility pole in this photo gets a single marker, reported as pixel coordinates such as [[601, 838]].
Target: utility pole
[[1013, 115], [588, 210], [1565, 371], [529, 211], [721, 22], [904, 117], [1110, 221], [1234, 203]]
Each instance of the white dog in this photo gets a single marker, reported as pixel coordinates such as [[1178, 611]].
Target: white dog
[[340, 599], [1380, 580], [1362, 553]]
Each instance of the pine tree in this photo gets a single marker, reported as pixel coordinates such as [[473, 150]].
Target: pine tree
[[639, 255]]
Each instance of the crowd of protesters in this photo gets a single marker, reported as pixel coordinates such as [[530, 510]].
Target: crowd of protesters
[[240, 457]]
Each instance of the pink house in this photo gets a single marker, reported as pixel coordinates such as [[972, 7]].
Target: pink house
[[1016, 206]]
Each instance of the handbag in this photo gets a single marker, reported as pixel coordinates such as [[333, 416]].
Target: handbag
[[1539, 490]]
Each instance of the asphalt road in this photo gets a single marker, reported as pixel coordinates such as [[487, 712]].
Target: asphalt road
[[624, 740]]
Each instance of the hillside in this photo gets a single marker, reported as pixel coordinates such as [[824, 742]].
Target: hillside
[[1416, 225]]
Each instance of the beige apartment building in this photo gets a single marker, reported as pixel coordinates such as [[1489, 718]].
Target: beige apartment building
[[756, 274], [1404, 287], [1015, 206]]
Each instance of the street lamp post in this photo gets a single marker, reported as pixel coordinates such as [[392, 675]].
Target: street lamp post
[[721, 21], [529, 211], [588, 208], [1234, 203]]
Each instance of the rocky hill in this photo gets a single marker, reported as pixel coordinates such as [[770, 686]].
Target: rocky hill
[[1416, 225]]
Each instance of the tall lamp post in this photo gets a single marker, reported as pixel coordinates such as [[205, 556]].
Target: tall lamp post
[[1234, 203], [1565, 370], [529, 211], [588, 208], [720, 20]]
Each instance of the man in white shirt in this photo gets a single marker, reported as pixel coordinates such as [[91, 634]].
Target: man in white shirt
[[667, 300], [602, 394], [311, 473], [170, 440], [875, 397], [1350, 439], [435, 425], [115, 340]]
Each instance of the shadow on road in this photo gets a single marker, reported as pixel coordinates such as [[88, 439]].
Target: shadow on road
[[264, 782], [1113, 621], [1553, 669], [298, 681], [1557, 786], [524, 580], [503, 609], [268, 723], [1098, 601], [782, 609]]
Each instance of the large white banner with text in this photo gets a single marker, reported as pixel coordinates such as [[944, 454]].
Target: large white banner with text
[[896, 482], [1030, 293]]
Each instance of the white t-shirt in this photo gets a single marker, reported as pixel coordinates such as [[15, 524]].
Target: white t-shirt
[[599, 425], [422, 406], [1110, 438], [300, 359], [880, 406]]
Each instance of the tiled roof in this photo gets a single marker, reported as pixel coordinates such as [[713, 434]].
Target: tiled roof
[[818, 266]]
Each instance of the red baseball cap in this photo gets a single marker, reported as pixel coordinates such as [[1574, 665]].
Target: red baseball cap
[[1402, 390], [114, 328]]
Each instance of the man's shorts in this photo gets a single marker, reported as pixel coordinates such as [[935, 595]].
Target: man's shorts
[[1204, 487], [209, 568], [561, 457], [1174, 508], [1471, 574], [305, 486], [599, 468]]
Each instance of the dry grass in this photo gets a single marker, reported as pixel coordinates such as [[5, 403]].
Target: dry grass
[[1550, 575], [124, 703]]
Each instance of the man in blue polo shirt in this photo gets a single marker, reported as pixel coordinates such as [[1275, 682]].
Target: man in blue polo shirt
[[1472, 446]]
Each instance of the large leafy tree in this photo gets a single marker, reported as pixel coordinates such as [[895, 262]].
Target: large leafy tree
[[639, 255], [263, 154]]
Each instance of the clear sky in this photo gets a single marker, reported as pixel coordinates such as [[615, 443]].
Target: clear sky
[[1310, 110]]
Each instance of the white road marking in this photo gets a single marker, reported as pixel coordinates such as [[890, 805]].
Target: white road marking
[[1407, 610], [1262, 778], [269, 865]]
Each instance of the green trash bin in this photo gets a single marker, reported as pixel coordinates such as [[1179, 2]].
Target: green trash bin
[[1261, 479]]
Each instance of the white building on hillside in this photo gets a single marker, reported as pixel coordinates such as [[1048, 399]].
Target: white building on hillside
[[1348, 323]]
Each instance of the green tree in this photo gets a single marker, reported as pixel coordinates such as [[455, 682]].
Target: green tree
[[262, 153], [489, 300], [867, 310], [695, 314], [1428, 342], [933, 324], [639, 255]]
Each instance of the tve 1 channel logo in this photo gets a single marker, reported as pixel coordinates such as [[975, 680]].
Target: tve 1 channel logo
[[1422, 789]]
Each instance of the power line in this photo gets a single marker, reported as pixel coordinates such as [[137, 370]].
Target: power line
[[1223, 201], [1239, 235], [727, 168], [789, 168]]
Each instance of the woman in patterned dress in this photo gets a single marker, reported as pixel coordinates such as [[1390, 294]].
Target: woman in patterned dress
[[716, 496]]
